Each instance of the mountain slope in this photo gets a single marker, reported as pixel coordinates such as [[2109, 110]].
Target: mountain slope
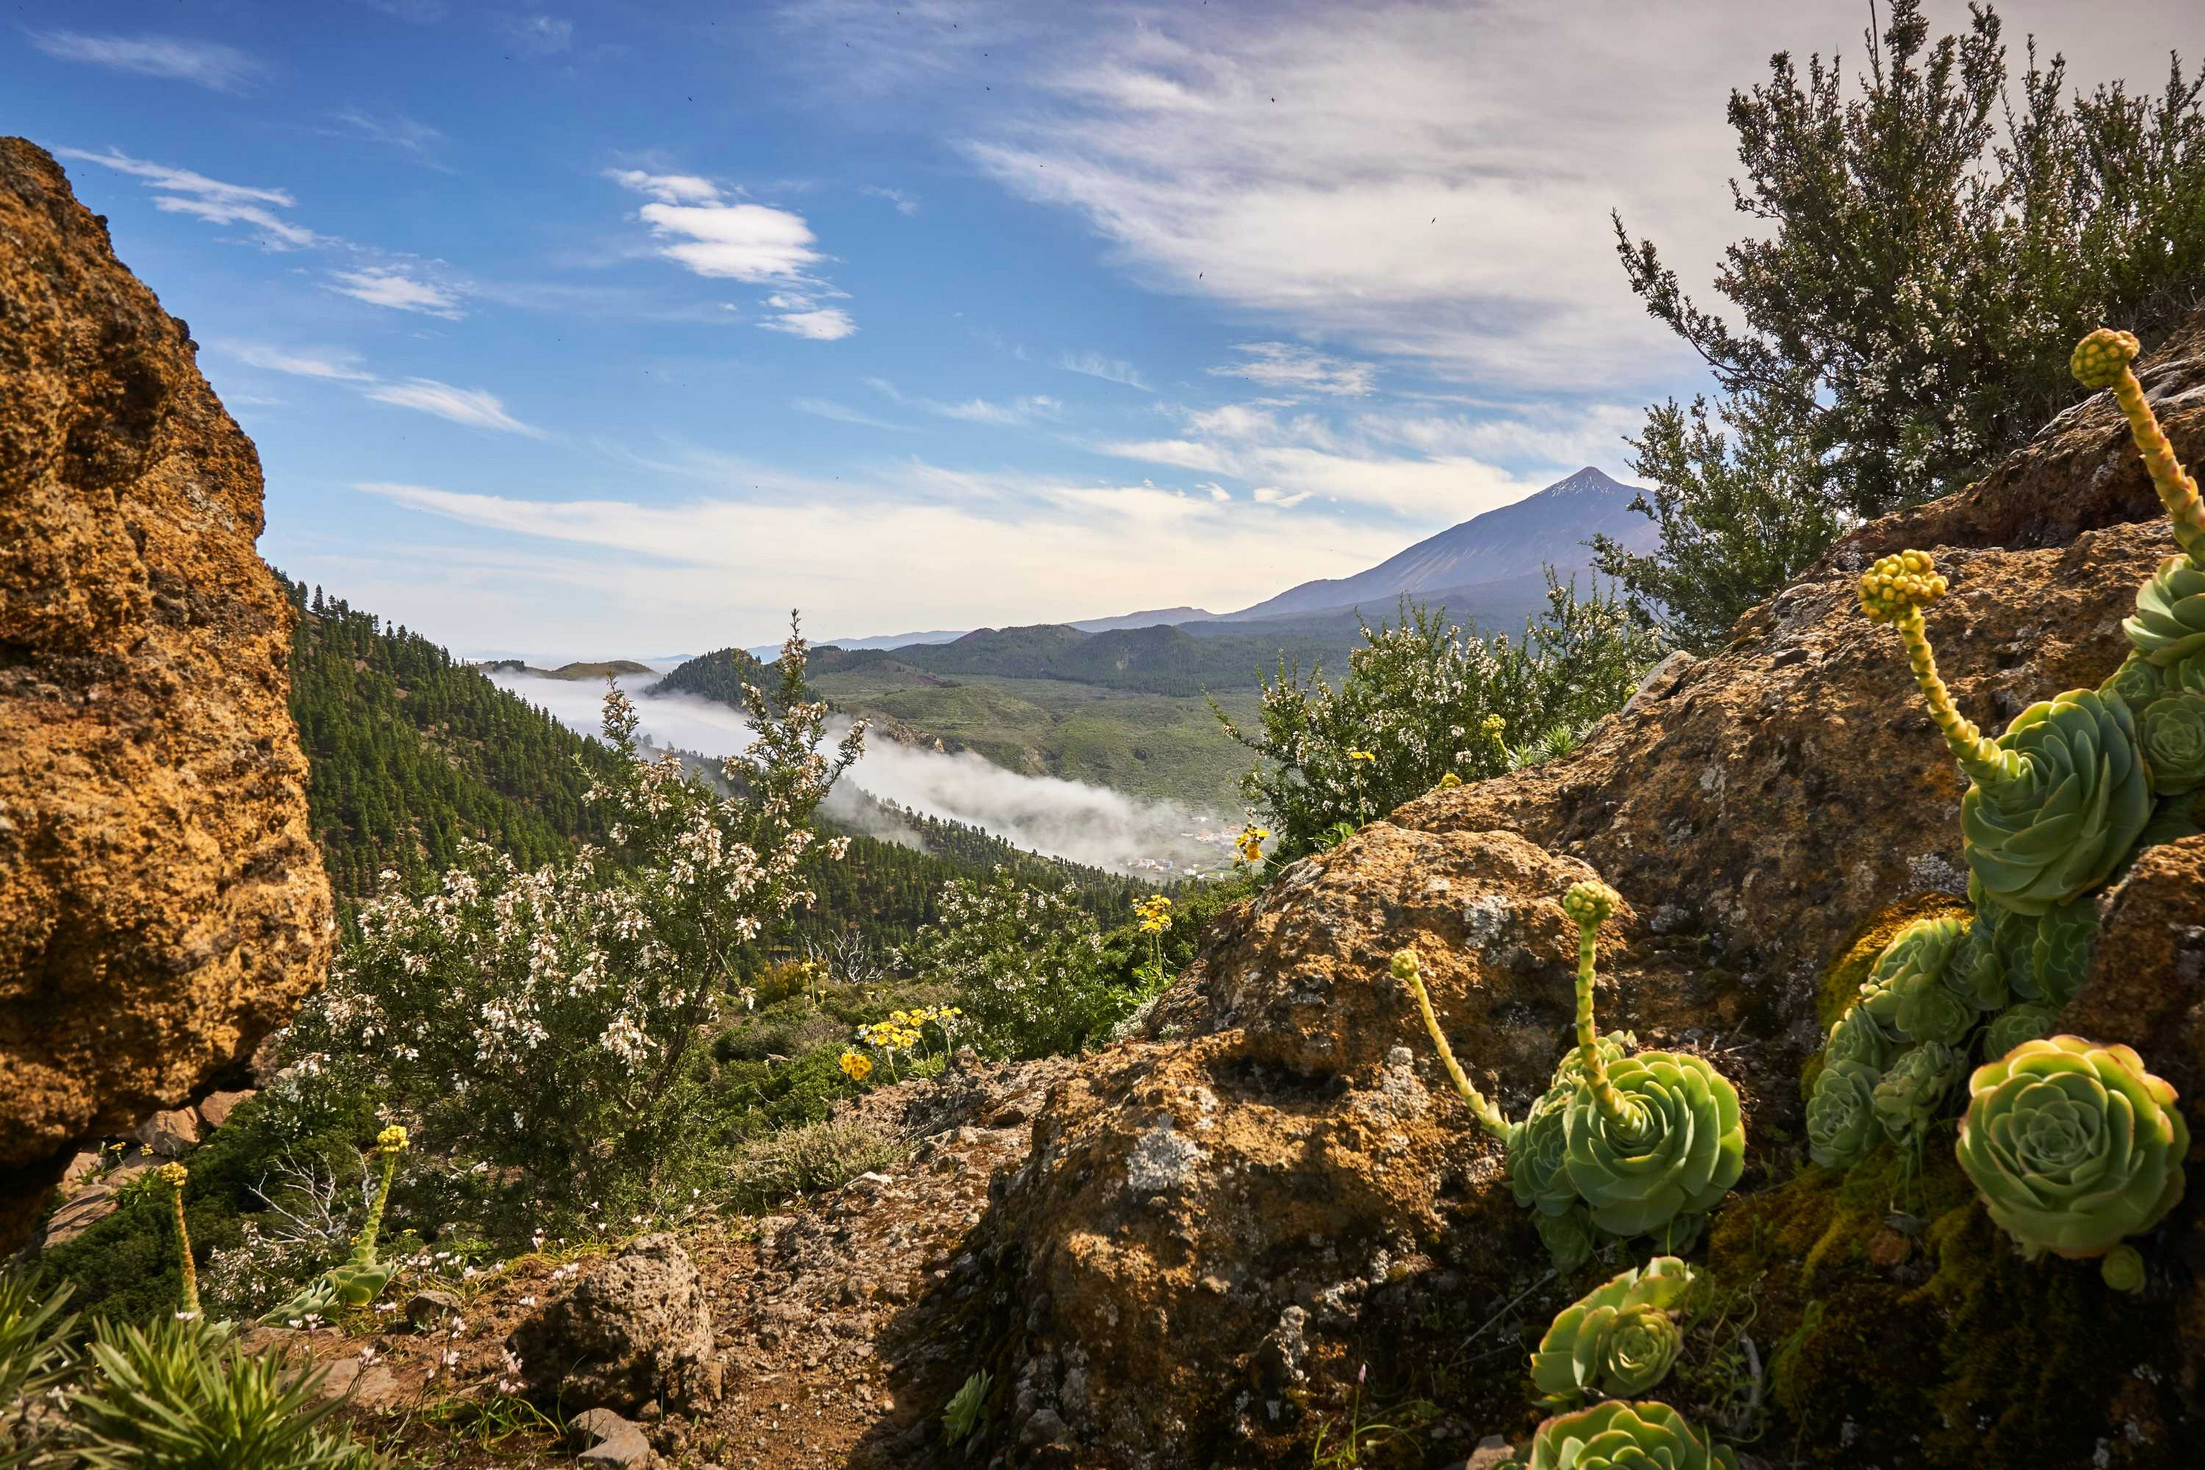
[[1511, 542]]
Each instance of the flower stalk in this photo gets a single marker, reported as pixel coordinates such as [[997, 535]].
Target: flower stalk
[[2102, 360], [1894, 591], [390, 1143], [1489, 1117], [174, 1175], [1589, 904]]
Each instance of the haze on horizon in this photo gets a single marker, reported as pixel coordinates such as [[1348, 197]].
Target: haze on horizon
[[591, 332]]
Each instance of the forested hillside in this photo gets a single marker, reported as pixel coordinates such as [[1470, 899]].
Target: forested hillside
[[411, 750]]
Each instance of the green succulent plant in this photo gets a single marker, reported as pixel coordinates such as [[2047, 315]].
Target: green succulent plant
[[2073, 1146], [2136, 683], [2026, 1021], [2059, 954], [2123, 1269], [2173, 732], [1912, 968], [1646, 1138], [1907, 1096], [1860, 1038], [1842, 1124], [1619, 1435], [1619, 1339], [1568, 1236], [1538, 1170], [359, 1280], [2168, 625], [2054, 803]]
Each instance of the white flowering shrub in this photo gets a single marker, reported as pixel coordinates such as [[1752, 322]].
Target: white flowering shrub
[[536, 1028], [1026, 964], [1423, 700]]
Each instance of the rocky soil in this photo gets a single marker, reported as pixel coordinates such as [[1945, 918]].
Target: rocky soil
[[161, 903]]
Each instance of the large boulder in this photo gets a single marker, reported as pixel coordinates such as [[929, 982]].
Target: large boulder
[[1271, 1206], [634, 1332], [162, 905]]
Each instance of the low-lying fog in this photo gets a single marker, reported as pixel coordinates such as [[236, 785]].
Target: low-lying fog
[[1069, 819]]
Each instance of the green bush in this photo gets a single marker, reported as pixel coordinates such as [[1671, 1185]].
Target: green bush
[[807, 1159], [1026, 964], [1423, 700]]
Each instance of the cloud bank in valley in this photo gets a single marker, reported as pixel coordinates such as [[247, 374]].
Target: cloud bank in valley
[[1067, 819]]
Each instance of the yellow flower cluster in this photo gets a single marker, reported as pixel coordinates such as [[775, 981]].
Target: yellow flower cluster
[[391, 1140], [900, 1032], [1250, 842], [1361, 755], [173, 1175], [1896, 583], [857, 1065], [1155, 913], [2100, 358]]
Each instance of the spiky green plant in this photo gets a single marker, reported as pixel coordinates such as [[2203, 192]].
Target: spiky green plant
[[2073, 1146], [1625, 1436], [2054, 803], [35, 1357], [962, 1414], [1647, 1138], [360, 1279], [1842, 1123], [179, 1395], [1619, 1339]]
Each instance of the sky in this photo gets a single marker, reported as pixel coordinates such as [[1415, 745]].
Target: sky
[[622, 329]]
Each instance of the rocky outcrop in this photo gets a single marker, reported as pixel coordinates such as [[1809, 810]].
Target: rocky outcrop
[[635, 1333], [162, 905], [1273, 1194]]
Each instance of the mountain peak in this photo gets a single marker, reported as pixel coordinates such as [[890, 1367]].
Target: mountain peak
[[1591, 480]]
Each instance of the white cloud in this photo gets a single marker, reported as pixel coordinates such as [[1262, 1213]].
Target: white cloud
[[666, 188], [1285, 366], [538, 35], [335, 366], [1021, 410], [389, 286], [206, 63], [842, 413], [417, 140], [470, 406], [1109, 369], [905, 202], [180, 191], [826, 324]]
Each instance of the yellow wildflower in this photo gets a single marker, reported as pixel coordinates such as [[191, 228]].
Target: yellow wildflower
[[391, 1140], [857, 1065], [1361, 755]]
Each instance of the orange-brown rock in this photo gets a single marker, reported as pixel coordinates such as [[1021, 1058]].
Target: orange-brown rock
[[161, 903], [1224, 1221]]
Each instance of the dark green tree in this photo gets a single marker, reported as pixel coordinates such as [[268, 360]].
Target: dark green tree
[[1928, 246]]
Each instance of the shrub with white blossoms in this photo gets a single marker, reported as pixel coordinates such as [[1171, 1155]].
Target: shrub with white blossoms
[[540, 1023], [1026, 964]]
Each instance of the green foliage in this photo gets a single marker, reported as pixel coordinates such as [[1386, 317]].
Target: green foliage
[[1738, 508], [2023, 1021], [808, 1159], [1422, 700], [35, 1356], [2065, 806], [2168, 627], [360, 1279], [2073, 1145], [176, 1395], [413, 754], [963, 1413], [1841, 1116], [1625, 1436], [2173, 733], [1026, 965], [1923, 256], [1619, 1339], [1678, 1148], [720, 675], [1908, 1095]]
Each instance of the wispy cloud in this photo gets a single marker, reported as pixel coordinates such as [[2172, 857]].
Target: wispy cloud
[[1109, 369], [204, 63], [473, 407], [416, 140], [906, 203], [842, 413], [1023, 409], [538, 35], [181, 191], [698, 226], [1285, 366], [392, 287]]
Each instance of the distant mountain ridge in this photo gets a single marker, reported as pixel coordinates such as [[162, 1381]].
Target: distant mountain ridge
[[1512, 542]]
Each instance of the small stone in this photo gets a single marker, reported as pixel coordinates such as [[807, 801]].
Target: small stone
[[1888, 1249], [426, 1309], [171, 1133], [216, 1107], [1491, 1453], [610, 1440]]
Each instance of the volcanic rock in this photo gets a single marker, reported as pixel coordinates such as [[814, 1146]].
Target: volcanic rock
[[635, 1331], [162, 905]]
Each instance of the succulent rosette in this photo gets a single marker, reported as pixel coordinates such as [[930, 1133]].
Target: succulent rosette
[[2026, 1021], [1976, 971], [2073, 1146], [1907, 1096], [1912, 969], [1679, 1149], [1568, 1236], [1619, 1435], [2059, 954], [2078, 793], [1617, 1340], [2136, 683], [1842, 1125], [1859, 1037], [1538, 1169], [2172, 728], [2169, 624]]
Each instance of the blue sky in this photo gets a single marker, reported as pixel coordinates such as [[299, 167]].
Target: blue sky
[[623, 328]]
